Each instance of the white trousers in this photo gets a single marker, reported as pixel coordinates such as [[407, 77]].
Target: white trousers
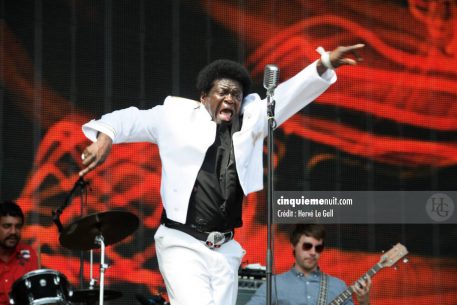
[[195, 274]]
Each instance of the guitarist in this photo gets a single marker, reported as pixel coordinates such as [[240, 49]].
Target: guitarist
[[305, 283]]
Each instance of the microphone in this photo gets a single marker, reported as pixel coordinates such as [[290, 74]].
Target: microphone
[[270, 78]]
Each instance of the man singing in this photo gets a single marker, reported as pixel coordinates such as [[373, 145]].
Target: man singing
[[211, 154]]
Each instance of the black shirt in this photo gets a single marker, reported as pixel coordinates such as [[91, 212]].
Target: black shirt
[[215, 202]]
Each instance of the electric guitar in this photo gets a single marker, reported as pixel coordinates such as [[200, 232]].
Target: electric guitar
[[387, 260]]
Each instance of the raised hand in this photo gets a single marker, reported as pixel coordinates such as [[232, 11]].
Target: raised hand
[[339, 56]]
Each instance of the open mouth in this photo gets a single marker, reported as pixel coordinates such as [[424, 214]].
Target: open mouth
[[226, 114]]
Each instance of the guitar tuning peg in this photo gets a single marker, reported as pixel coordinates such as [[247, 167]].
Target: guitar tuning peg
[[405, 260]]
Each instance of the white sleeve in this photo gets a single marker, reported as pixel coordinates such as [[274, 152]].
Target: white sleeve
[[300, 90], [127, 125]]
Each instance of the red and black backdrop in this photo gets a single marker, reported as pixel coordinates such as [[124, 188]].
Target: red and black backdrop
[[389, 123]]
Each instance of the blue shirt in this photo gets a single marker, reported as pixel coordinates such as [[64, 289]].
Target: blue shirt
[[293, 288]]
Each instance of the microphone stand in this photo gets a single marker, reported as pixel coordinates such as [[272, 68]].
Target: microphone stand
[[270, 157], [80, 185]]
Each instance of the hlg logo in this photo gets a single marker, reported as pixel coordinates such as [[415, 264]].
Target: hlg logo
[[439, 207]]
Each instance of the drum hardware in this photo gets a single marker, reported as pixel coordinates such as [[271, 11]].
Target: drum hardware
[[90, 296], [91, 270], [80, 185], [93, 231], [113, 226], [103, 266], [39, 287], [98, 231]]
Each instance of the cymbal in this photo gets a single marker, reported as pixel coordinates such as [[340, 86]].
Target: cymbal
[[92, 295], [114, 226]]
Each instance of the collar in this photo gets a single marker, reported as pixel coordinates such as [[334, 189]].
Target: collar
[[316, 274], [203, 112]]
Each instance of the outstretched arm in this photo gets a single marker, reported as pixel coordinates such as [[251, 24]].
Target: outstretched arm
[[298, 91], [121, 126]]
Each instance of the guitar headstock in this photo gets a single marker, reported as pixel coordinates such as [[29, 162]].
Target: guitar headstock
[[392, 256]]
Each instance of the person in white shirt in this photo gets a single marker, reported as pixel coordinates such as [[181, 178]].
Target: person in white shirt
[[211, 154]]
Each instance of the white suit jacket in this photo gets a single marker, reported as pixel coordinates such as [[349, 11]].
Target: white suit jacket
[[183, 130]]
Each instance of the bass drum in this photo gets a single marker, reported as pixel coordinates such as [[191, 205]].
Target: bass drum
[[42, 286]]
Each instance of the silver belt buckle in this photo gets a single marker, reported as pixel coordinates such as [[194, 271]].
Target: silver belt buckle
[[215, 240]]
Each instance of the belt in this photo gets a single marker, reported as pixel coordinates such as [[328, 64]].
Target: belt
[[212, 240]]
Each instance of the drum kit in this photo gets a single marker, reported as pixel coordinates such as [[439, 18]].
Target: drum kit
[[96, 231]]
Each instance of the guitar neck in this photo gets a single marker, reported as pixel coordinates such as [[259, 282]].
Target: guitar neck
[[350, 290]]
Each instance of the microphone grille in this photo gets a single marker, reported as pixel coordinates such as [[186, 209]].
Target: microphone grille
[[270, 77]]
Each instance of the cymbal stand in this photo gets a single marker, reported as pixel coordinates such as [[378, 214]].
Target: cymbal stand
[[100, 241], [91, 270]]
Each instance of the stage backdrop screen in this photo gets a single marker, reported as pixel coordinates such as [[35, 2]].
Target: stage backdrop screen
[[387, 124]]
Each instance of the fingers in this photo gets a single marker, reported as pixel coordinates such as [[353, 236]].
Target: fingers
[[363, 286], [355, 47], [95, 154], [348, 61], [338, 57], [360, 292], [350, 49], [88, 169], [89, 159], [83, 172], [356, 55]]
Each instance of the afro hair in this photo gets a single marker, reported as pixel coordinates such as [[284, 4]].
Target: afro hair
[[223, 68]]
